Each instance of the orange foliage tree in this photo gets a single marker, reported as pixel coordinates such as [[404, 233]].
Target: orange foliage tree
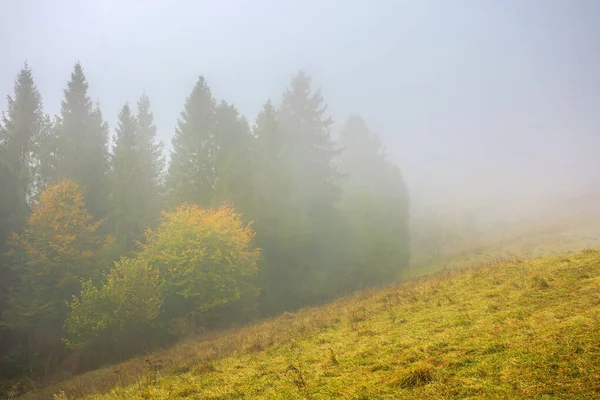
[[57, 248]]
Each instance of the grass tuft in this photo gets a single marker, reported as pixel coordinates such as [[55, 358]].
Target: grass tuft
[[419, 375]]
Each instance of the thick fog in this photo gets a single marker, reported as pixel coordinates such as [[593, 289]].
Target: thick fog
[[491, 103]]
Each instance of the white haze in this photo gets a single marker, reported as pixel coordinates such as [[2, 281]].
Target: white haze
[[493, 105]]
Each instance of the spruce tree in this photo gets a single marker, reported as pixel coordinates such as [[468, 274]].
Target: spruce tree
[[377, 209], [233, 158], [135, 175], [308, 145], [20, 130], [309, 151], [279, 229], [23, 123], [272, 173], [191, 176], [125, 213], [82, 143], [151, 160]]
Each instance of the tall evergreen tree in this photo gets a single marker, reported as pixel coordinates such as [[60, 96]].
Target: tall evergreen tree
[[82, 143], [278, 224], [308, 144], [377, 208], [191, 176], [233, 158], [310, 151], [20, 130], [135, 176], [151, 151], [125, 213], [23, 125], [272, 174]]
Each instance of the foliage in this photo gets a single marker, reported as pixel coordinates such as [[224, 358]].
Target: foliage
[[119, 314], [205, 257], [196, 260], [57, 248], [323, 224]]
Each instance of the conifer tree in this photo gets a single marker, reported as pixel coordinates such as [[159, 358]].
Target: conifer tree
[[20, 129], [277, 221], [233, 158], [191, 176], [308, 144], [151, 157], [125, 214], [272, 175], [309, 152], [377, 209], [82, 143], [23, 123]]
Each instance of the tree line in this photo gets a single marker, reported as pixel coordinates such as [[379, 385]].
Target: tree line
[[107, 249]]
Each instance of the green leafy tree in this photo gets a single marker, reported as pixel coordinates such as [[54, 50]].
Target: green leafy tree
[[191, 176], [81, 143], [195, 261], [205, 256], [116, 319]]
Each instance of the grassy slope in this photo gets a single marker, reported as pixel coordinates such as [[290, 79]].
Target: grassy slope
[[509, 329]]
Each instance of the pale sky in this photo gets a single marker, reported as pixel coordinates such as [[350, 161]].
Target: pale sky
[[474, 99]]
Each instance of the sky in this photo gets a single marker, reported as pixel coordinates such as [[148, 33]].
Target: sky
[[478, 102]]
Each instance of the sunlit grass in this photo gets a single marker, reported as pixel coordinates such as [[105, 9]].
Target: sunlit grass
[[517, 329]]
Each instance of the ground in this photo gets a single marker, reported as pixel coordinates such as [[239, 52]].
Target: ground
[[511, 328]]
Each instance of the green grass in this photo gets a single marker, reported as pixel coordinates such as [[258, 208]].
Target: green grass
[[516, 329], [466, 325], [528, 240]]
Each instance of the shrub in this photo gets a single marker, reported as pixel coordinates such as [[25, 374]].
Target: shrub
[[120, 312], [195, 261]]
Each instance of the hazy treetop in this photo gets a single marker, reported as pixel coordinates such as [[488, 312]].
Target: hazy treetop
[[485, 96]]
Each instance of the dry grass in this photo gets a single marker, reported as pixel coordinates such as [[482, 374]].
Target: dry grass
[[479, 327], [491, 331]]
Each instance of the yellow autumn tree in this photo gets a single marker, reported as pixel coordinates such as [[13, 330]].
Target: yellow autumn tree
[[204, 255], [58, 247], [194, 261]]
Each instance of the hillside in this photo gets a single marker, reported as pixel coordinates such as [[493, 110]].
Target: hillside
[[513, 329]]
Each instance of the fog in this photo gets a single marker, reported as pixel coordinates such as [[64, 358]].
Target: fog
[[492, 105]]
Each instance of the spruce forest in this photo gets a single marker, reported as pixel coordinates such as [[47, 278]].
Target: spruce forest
[[111, 246]]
